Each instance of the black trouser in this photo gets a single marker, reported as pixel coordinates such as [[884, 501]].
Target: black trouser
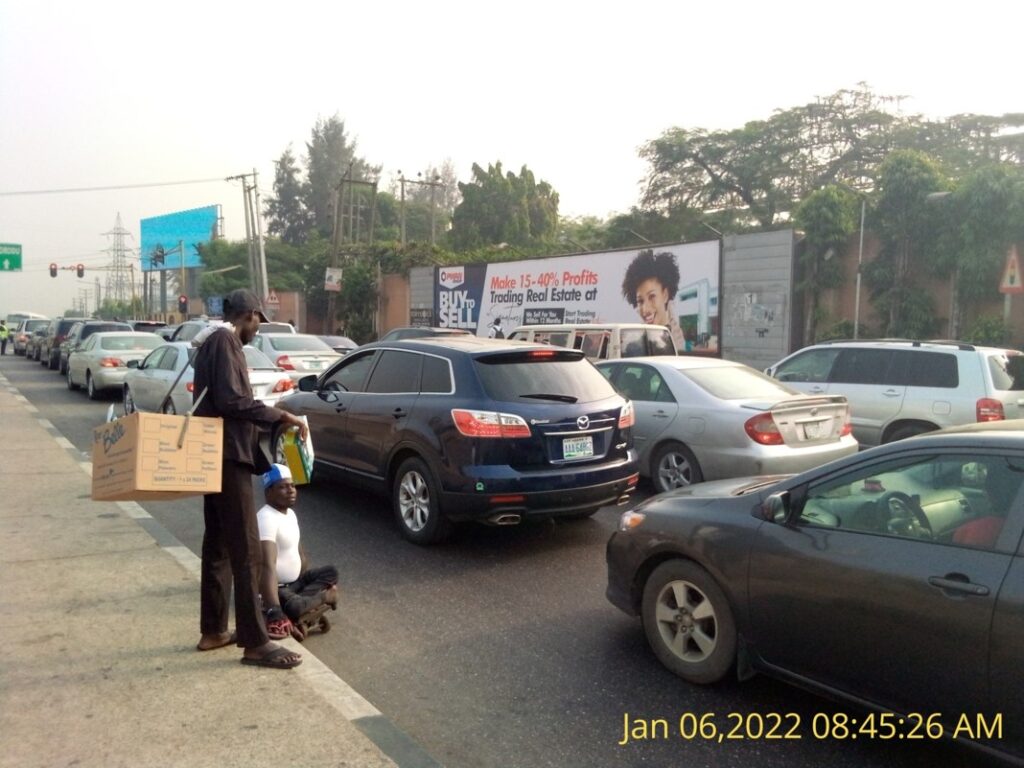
[[231, 550], [306, 592], [3, 346]]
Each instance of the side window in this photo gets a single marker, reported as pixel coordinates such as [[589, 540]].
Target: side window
[[863, 366], [633, 343], [437, 375], [926, 369], [89, 343], [634, 381], [350, 376], [956, 500], [813, 366], [591, 344], [396, 372], [558, 338], [152, 359], [169, 360], [659, 389]]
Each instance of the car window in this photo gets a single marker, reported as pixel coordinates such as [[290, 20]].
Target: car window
[[859, 365], [395, 372], [88, 330], [170, 359], [350, 376], [811, 366], [556, 338], [124, 343], [634, 342], [256, 360], [296, 342], [537, 377], [957, 500], [89, 344], [1007, 371], [635, 381], [152, 360], [925, 369], [593, 344], [737, 382], [436, 376]]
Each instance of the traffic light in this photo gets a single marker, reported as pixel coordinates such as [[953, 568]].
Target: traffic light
[[53, 270], [183, 305], [80, 270]]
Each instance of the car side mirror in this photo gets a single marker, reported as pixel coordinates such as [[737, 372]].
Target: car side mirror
[[307, 383], [774, 509], [133, 364]]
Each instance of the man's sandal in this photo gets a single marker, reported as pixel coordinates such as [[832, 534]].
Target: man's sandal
[[275, 659]]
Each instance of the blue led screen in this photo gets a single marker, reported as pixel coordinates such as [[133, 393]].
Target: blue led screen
[[162, 234]]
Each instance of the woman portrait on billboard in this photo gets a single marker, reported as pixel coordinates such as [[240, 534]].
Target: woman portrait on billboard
[[650, 284]]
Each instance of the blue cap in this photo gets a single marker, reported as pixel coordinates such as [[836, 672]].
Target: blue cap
[[277, 473]]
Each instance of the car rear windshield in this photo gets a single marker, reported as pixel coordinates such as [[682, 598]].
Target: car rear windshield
[[256, 360], [125, 343], [736, 383], [89, 330], [31, 325], [1007, 372], [294, 342], [539, 376]]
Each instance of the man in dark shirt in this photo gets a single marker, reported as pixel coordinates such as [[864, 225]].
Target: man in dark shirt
[[231, 542]]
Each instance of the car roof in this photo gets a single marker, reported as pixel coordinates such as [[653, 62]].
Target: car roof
[[466, 343], [929, 344], [141, 334], [678, 362]]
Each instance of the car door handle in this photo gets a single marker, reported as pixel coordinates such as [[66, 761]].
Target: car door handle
[[816, 390], [399, 413], [340, 408], [892, 393], [659, 415], [957, 582]]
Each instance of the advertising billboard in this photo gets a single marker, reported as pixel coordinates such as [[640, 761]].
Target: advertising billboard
[[674, 285], [161, 236]]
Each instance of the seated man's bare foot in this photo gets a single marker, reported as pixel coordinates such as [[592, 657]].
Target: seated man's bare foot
[[271, 655], [219, 640], [331, 596]]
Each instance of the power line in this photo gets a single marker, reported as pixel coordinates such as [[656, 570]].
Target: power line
[[107, 189]]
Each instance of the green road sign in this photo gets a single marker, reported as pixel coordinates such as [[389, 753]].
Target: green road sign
[[10, 257]]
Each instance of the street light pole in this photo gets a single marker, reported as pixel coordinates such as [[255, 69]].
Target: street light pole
[[860, 262]]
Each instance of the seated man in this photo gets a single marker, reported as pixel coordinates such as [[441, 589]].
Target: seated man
[[288, 586]]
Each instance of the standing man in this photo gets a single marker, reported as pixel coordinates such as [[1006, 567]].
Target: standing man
[[4, 333], [231, 542]]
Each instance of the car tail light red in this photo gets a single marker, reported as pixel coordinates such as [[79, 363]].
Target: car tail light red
[[284, 385], [190, 386], [542, 353], [111, 362], [627, 416], [489, 424], [989, 409], [847, 425], [284, 362], [762, 429]]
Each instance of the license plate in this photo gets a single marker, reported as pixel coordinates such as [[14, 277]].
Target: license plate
[[314, 365], [577, 447], [814, 430]]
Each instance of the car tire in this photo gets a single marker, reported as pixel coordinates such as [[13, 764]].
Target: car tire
[[416, 504], [90, 387], [695, 640], [128, 401], [71, 384], [908, 430], [673, 465]]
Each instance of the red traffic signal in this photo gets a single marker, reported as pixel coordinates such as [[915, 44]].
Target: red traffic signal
[[80, 270], [53, 270], [183, 304]]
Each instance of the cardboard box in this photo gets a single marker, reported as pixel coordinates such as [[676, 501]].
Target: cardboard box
[[150, 456], [298, 454]]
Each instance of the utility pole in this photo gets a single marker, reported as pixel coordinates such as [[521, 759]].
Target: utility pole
[[434, 184]]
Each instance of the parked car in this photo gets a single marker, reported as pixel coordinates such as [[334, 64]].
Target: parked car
[[898, 389], [340, 344], [701, 418], [464, 428], [420, 332], [891, 578], [101, 361], [298, 353], [276, 328], [80, 332], [188, 330], [166, 332], [602, 341], [34, 343], [147, 382], [56, 331], [23, 332]]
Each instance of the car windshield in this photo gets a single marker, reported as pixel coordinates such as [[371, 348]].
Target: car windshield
[[295, 342], [729, 382], [256, 360], [527, 376], [125, 343], [32, 325]]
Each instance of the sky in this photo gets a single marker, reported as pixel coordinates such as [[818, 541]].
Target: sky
[[106, 94]]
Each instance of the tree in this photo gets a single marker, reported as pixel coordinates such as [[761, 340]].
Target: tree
[[504, 208], [331, 154], [827, 217], [287, 214]]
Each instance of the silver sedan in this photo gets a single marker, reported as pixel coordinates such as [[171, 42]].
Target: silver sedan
[[101, 361], [701, 418], [298, 353]]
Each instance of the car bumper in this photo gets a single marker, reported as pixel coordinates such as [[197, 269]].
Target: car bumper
[[721, 463], [108, 378], [622, 556]]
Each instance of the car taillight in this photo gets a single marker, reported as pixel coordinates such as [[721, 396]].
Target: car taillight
[[283, 385], [489, 424], [988, 409], [627, 416], [542, 353], [111, 362], [190, 386], [284, 362], [762, 429], [847, 425]]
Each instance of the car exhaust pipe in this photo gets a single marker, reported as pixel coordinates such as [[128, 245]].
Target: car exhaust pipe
[[623, 499], [506, 518]]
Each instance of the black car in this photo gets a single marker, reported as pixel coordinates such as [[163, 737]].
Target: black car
[[81, 331], [893, 578], [48, 353], [463, 428]]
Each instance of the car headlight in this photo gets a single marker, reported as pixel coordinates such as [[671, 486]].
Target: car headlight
[[630, 519]]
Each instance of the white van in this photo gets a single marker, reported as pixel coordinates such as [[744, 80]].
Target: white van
[[602, 341]]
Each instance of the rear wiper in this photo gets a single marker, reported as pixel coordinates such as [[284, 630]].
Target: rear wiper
[[559, 398]]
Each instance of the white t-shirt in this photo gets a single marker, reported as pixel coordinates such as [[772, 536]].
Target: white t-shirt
[[282, 528]]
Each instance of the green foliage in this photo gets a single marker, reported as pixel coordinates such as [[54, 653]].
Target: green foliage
[[988, 330], [120, 310], [331, 154], [233, 257], [287, 214], [504, 208]]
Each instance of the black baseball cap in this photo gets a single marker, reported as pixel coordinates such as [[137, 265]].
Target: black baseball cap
[[240, 301]]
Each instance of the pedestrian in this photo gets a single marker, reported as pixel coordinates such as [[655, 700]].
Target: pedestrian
[[5, 332], [231, 542], [289, 587]]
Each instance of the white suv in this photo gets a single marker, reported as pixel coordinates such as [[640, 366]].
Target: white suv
[[899, 388]]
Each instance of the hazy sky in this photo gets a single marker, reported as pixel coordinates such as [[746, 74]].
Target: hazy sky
[[103, 94]]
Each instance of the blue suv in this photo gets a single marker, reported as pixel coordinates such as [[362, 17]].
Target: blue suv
[[463, 428]]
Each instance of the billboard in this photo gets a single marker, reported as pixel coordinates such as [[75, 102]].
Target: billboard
[[674, 285], [162, 234]]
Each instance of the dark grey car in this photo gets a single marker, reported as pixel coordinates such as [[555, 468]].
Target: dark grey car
[[893, 578]]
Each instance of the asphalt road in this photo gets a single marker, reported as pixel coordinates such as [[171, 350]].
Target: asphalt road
[[498, 648]]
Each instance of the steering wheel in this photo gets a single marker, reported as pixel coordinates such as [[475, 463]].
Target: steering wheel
[[905, 516]]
